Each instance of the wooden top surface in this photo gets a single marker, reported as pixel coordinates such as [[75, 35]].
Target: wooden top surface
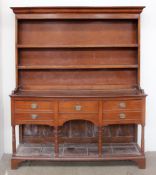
[[80, 93], [42, 10]]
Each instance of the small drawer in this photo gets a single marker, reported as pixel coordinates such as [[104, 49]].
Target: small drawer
[[122, 104], [122, 117], [33, 118], [21, 106], [78, 107]]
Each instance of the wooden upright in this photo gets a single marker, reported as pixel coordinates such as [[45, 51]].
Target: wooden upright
[[78, 95]]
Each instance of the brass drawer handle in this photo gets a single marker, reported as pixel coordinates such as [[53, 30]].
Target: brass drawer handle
[[78, 108], [122, 116], [33, 106], [34, 116], [122, 105]]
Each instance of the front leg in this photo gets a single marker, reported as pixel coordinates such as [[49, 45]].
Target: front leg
[[14, 139]]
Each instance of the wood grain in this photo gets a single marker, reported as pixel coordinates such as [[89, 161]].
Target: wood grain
[[78, 89]]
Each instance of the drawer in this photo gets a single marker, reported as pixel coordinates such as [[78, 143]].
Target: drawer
[[123, 117], [33, 118], [78, 107], [21, 106], [122, 104]]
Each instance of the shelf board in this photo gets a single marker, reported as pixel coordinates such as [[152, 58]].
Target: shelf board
[[79, 67], [111, 92], [72, 151], [77, 46]]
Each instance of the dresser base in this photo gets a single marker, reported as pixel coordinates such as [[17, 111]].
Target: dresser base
[[78, 152], [139, 160]]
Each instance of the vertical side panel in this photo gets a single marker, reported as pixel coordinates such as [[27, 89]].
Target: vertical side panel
[[139, 51], [16, 51]]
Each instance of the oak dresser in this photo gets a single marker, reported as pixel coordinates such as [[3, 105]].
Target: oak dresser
[[78, 94]]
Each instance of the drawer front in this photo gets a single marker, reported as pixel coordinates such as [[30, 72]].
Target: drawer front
[[33, 117], [78, 107], [122, 104], [123, 117], [21, 106]]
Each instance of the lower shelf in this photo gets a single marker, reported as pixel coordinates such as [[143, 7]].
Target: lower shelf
[[75, 151]]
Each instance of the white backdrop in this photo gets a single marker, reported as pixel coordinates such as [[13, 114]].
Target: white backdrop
[[1, 104], [148, 59]]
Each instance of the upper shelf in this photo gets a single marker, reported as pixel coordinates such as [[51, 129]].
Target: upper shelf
[[80, 67], [78, 46]]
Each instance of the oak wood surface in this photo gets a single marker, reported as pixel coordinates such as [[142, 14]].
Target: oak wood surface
[[78, 80]]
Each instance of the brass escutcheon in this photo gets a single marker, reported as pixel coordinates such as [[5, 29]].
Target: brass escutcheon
[[122, 105], [78, 108], [122, 116], [33, 105], [34, 116]]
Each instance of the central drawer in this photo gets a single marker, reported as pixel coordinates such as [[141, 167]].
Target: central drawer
[[78, 107], [39, 106]]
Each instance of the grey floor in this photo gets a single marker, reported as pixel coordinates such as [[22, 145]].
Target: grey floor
[[103, 168]]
